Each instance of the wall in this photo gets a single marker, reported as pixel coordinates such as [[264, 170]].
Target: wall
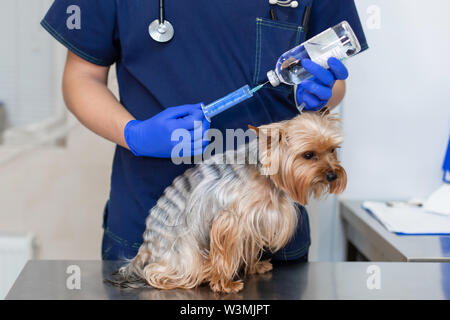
[[396, 112], [55, 193], [27, 85]]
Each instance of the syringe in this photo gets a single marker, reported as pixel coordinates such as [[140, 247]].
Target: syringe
[[229, 101]]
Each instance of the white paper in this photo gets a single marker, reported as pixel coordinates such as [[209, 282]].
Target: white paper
[[439, 201], [409, 220]]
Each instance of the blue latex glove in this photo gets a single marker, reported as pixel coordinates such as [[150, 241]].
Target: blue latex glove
[[317, 91], [152, 137]]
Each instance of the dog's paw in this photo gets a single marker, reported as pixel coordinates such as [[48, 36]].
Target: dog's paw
[[263, 267], [227, 287]]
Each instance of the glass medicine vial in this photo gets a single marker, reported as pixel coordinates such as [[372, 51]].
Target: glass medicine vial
[[339, 41]]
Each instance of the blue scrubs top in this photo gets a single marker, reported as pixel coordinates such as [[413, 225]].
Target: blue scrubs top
[[219, 46]]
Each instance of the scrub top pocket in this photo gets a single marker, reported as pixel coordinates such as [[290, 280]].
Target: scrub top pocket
[[273, 38]]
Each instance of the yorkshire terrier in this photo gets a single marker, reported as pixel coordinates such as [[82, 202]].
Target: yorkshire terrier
[[215, 221]]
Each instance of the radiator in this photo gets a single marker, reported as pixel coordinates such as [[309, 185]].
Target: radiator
[[15, 251]]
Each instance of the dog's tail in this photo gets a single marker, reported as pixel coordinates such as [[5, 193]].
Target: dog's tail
[[131, 275]]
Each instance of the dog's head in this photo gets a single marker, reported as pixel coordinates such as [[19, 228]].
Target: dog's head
[[300, 155]]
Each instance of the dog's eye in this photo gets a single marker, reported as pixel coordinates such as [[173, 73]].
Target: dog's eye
[[308, 155]]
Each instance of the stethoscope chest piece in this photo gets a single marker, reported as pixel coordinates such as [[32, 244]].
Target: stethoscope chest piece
[[161, 32]]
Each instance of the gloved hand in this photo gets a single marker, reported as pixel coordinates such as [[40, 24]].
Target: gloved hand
[[317, 91], [152, 137]]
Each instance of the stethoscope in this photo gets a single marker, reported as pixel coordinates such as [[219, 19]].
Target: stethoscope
[[162, 30]]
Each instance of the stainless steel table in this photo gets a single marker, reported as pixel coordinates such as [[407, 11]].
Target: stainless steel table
[[367, 236], [317, 280]]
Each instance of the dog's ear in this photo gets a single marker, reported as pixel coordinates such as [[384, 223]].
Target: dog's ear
[[254, 129], [271, 143], [268, 132]]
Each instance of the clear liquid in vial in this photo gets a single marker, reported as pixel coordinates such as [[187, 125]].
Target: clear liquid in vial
[[290, 70], [339, 42]]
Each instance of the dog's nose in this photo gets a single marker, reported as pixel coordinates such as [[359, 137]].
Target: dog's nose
[[331, 176]]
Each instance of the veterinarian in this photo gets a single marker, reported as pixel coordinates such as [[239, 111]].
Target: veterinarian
[[217, 47]]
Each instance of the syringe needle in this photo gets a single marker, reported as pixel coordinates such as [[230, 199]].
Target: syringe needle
[[259, 87]]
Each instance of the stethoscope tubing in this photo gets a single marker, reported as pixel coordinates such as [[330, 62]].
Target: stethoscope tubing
[[161, 12]]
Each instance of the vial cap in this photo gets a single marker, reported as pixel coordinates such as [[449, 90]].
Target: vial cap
[[273, 78]]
